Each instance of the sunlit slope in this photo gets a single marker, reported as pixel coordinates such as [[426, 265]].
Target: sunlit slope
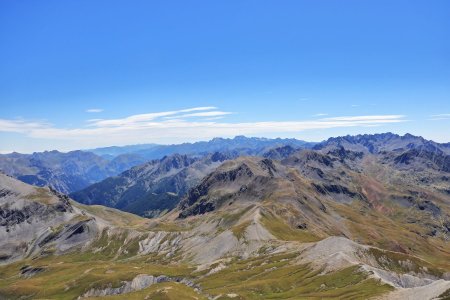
[[316, 224]]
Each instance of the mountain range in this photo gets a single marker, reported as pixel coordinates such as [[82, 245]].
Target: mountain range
[[352, 217], [239, 144], [151, 188], [73, 171], [64, 172]]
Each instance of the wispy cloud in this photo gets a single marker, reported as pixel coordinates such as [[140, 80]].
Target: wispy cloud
[[187, 124], [208, 114], [320, 115], [94, 110], [21, 126], [440, 117], [201, 114], [142, 119], [214, 118], [377, 119]]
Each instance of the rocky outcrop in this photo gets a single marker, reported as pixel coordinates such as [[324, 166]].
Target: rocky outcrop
[[153, 187], [34, 219], [140, 282], [378, 143], [229, 179], [280, 153], [29, 271], [419, 158]]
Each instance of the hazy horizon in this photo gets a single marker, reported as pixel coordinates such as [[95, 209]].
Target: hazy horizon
[[207, 140]]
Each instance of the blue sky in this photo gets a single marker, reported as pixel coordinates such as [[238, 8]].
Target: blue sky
[[82, 74]]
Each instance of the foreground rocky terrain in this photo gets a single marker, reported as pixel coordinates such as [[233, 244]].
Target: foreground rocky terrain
[[355, 218]]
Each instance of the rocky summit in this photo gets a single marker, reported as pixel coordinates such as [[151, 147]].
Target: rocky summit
[[354, 217]]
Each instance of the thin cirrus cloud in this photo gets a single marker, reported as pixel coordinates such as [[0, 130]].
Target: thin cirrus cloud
[[94, 110], [143, 118], [184, 125], [210, 114], [440, 117]]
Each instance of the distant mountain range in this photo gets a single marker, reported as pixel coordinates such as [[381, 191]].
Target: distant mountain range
[[158, 186], [343, 169], [72, 171], [64, 172], [377, 143], [240, 144], [154, 187]]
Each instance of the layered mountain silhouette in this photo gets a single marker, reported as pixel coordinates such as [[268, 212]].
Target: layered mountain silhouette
[[240, 144], [154, 187], [73, 171], [64, 172], [354, 217]]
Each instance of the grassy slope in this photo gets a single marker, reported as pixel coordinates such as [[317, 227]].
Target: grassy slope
[[265, 277], [68, 276], [274, 277], [161, 291], [283, 231], [381, 230], [113, 216]]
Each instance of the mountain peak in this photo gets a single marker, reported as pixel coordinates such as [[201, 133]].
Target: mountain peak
[[228, 181], [374, 143]]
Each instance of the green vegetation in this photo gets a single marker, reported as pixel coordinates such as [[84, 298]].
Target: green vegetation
[[283, 231], [276, 277], [381, 230], [230, 219], [262, 277], [117, 217], [402, 263], [445, 295], [169, 227], [42, 195], [239, 230], [161, 291], [68, 276]]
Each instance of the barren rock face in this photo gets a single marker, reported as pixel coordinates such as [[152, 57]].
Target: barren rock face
[[34, 218], [138, 283], [151, 188]]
